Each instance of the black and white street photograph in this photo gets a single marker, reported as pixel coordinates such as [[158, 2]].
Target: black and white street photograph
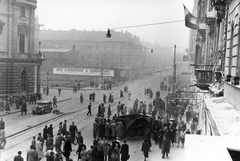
[[119, 80]]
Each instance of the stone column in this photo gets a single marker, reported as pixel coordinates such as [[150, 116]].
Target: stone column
[[38, 64], [31, 29], [14, 29]]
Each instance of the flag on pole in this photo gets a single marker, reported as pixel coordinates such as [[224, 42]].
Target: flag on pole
[[190, 20]]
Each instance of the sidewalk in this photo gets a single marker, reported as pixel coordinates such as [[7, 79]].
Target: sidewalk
[[52, 93]]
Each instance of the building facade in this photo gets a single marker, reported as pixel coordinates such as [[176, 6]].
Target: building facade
[[19, 65], [217, 50], [122, 53]]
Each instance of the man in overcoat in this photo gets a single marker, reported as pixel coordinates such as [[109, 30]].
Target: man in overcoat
[[124, 151]]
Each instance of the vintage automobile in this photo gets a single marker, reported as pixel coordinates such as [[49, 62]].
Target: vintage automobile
[[42, 107]]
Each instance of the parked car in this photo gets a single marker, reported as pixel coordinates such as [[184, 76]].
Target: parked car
[[42, 107]]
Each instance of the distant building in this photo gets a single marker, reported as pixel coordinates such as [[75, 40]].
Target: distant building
[[122, 53], [19, 64]]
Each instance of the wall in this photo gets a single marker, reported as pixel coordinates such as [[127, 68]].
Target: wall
[[232, 93]]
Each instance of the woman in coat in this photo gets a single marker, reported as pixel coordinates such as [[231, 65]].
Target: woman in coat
[[145, 149], [39, 149]]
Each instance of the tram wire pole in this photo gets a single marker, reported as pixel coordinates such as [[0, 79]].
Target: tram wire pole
[[174, 70]]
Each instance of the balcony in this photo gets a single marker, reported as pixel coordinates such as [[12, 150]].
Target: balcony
[[211, 17]]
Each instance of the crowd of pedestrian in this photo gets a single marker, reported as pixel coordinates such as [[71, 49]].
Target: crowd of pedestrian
[[108, 137]]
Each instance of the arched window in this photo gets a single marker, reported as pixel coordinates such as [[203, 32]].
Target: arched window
[[24, 80]]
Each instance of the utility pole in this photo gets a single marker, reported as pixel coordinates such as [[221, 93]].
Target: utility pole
[[174, 70], [102, 73]]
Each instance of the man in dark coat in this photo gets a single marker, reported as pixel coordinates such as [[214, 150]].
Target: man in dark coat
[[18, 157], [45, 132], [145, 149], [64, 128], [50, 130], [124, 151], [24, 108], [89, 109], [67, 148]]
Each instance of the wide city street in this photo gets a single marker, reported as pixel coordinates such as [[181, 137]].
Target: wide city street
[[21, 128]]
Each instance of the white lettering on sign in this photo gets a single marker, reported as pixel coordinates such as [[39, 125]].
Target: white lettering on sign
[[83, 71]]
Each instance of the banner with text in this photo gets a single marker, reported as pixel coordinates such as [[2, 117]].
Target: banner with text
[[83, 71]]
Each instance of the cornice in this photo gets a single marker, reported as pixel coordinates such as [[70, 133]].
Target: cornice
[[15, 60]]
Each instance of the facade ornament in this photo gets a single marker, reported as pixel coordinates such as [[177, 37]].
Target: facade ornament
[[23, 28]]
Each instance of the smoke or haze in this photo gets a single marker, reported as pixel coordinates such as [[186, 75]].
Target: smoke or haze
[[103, 14]]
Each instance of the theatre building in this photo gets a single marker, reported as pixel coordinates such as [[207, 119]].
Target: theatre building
[[19, 65]]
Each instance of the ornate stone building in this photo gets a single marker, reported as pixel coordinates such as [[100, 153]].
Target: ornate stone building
[[19, 65]]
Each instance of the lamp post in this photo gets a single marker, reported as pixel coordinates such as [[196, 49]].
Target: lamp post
[[102, 73], [47, 92]]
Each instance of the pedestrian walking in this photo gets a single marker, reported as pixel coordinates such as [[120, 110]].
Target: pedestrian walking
[[102, 110], [109, 111], [18, 157], [7, 108], [58, 142], [83, 153], [24, 108], [60, 127], [81, 98], [45, 132], [49, 142], [110, 98], [118, 108], [39, 149], [64, 128], [95, 129], [54, 101], [67, 148], [166, 143], [93, 96], [104, 98], [33, 143], [3, 140], [50, 130], [17, 102], [121, 94], [32, 154], [2, 124], [89, 109], [59, 92], [150, 108], [124, 151], [129, 95], [145, 149]]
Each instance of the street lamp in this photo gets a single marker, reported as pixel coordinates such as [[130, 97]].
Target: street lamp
[[47, 92]]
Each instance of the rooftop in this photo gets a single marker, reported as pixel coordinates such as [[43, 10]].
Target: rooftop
[[76, 35]]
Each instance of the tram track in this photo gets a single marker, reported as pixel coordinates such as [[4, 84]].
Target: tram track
[[69, 117]]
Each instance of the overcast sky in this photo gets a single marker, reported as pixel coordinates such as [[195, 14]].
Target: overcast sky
[[103, 14]]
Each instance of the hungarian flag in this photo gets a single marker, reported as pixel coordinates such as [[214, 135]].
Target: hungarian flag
[[190, 20]]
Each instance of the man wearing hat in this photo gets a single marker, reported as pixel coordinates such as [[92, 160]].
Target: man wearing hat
[[18, 157]]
